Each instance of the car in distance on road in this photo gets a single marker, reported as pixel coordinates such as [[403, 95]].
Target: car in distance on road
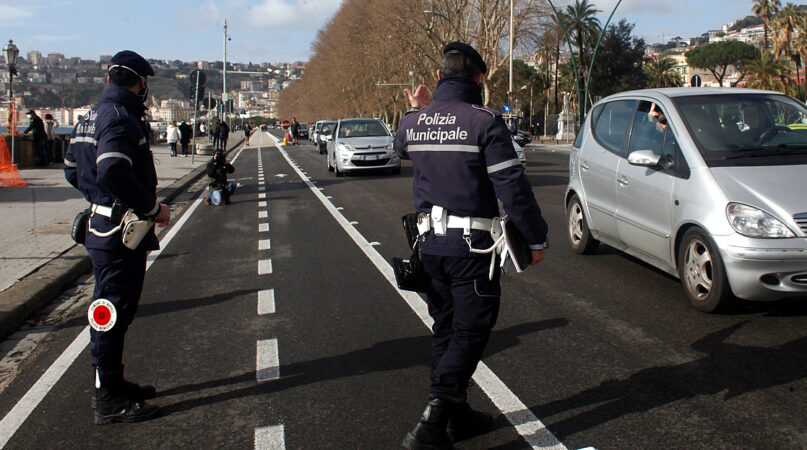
[[522, 137], [321, 129], [360, 145], [706, 184]]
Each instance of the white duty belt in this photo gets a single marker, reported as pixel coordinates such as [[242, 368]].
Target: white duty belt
[[439, 220], [105, 211]]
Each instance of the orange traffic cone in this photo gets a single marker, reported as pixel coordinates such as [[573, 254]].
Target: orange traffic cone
[[8, 171], [286, 139]]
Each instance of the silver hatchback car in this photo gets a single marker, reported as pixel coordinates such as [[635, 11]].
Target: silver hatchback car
[[360, 145], [707, 184]]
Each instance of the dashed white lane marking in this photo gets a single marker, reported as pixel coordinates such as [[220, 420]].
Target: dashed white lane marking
[[264, 266], [263, 227], [264, 244], [262, 195], [267, 363], [266, 302], [261, 188], [23, 408], [270, 438], [353, 222], [261, 204], [531, 429], [263, 214]]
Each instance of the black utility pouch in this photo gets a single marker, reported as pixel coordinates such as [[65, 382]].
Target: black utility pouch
[[79, 230], [409, 273]]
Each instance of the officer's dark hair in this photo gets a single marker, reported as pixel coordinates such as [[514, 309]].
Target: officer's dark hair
[[123, 77], [457, 64]]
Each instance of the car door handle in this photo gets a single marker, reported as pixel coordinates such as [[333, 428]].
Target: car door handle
[[583, 165], [623, 181]]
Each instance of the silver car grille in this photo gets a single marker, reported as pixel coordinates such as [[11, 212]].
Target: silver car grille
[[801, 219]]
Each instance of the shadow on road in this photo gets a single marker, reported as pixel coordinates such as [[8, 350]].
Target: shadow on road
[[726, 367], [384, 356]]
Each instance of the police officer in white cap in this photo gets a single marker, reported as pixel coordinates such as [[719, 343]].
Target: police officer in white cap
[[110, 162]]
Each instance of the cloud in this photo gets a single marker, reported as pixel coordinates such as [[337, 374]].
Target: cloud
[[297, 14], [13, 15]]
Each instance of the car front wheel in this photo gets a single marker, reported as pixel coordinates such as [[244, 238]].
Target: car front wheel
[[579, 234], [702, 272]]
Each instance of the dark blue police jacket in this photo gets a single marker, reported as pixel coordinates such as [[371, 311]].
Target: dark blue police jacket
[[109, 159], [464, 161]]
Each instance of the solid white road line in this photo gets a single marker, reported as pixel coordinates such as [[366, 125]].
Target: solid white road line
[[264, 266], [264, 244], [266, 302], [522, 418], [263, 227], [270, 438], [20, 412], [267, 363]]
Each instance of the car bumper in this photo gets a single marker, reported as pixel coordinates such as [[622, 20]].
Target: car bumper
[[359, 162], [765, 269]]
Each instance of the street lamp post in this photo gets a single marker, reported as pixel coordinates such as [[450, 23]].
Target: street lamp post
[[10, 51], [224, 74]]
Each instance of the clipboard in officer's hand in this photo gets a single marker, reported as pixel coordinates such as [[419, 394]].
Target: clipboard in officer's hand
[[516, 246]]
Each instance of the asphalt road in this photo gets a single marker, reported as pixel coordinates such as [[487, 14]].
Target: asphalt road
[[603, 349]]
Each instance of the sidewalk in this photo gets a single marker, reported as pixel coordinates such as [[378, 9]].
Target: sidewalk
[[37, 256]]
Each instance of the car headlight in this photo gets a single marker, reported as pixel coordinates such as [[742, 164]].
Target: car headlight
[[754, 222], [345, 147]]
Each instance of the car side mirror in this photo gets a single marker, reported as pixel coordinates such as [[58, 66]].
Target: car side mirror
[[328, 137], [644, 158]]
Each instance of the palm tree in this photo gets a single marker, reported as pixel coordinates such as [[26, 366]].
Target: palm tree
[[769, 72], [661, 72], [766, 9], [583, 25], [787, 22]]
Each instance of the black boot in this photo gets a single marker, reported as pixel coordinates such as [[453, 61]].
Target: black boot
[[112, 405], [465, 423], [430, 431]]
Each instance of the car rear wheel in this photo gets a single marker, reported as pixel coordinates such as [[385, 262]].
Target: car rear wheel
[[702, 272], [579, 234]]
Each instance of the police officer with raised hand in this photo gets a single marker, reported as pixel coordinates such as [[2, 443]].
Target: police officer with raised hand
[[110, 162], [464, 164]]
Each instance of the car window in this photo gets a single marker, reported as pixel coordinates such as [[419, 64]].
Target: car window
[[746, 129], [613, 124], [362, 128], [672, 159], [649, 127]]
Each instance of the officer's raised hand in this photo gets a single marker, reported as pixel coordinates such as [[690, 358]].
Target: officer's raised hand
[[164, 216], [420, 98]]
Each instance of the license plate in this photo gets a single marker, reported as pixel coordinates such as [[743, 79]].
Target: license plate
[[370, 158]]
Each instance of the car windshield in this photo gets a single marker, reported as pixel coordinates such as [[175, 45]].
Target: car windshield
[[746, 129], [362, 128]]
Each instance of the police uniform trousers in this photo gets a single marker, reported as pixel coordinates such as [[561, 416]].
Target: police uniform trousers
[[119, 276], [464, 304]]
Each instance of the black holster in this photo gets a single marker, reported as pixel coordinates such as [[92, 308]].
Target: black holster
[[409, 273]]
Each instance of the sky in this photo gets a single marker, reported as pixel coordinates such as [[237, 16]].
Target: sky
[[269, 30]]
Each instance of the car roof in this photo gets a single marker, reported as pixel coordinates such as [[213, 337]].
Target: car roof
[[689, 92]]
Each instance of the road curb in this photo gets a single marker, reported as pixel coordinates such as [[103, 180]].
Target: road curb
[[41, 286]]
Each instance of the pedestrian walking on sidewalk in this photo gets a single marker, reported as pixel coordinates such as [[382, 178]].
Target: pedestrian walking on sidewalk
[[214, 132], [224, 134], [172, 135], [37, 129], [110, 162], [50, 132], [458, 183], [185, 135], [295, 130]]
